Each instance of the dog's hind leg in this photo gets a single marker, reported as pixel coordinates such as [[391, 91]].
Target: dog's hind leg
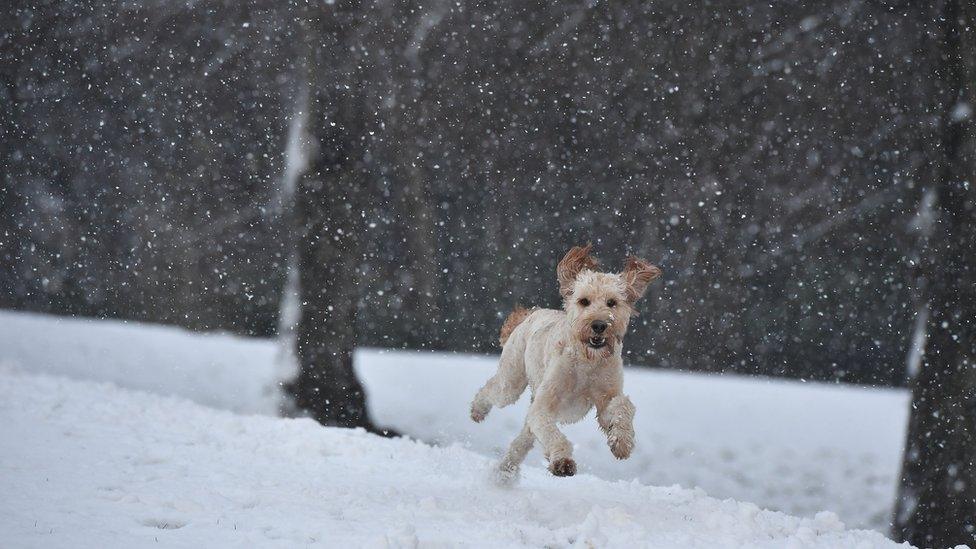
[[542, 421], [508, 467], [508, 383]]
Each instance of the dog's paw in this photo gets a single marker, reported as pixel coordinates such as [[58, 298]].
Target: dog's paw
[[621, 444], [504, 477], [478, 412], [563, 467]]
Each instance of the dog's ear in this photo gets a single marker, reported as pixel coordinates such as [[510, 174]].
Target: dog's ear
[[577, 259], [638, 274]]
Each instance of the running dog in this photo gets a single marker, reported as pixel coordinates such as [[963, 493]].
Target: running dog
[[571, 359]]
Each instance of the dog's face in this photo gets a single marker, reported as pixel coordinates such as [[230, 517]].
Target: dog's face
[[599, 305]]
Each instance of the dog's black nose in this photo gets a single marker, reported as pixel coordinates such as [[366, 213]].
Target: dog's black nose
[[599, 326]]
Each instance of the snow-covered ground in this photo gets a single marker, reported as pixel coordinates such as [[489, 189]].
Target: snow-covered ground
[[90, 462]]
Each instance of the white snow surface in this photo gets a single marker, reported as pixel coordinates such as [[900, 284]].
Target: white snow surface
[[132, 462]]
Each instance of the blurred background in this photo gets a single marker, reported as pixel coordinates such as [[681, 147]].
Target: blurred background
[[400, 175], [168, 161]]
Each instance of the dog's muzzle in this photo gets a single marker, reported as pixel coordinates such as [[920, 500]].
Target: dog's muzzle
[[598, 340]]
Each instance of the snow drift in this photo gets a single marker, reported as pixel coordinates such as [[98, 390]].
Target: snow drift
[[92, 465]]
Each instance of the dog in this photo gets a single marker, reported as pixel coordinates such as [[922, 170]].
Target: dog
[[571, 359]]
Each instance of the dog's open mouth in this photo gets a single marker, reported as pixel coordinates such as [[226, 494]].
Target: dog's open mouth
[[597, 342]]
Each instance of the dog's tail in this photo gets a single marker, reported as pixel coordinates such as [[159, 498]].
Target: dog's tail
[[515, 318]]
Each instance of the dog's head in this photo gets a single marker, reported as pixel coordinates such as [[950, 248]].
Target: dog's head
[[599, 305]]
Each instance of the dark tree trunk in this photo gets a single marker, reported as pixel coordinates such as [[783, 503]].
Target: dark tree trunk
[[328, 211], [936, 504]]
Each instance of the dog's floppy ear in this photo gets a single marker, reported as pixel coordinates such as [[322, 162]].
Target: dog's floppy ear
[[577, 259], [638, 274]]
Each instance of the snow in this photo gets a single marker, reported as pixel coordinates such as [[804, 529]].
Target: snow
[[790, 446], [102, 465], [220, 371], [93, 465]]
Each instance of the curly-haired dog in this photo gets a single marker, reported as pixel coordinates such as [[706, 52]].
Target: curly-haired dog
[[572, 361]]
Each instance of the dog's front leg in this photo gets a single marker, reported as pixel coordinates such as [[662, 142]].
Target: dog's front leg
[[616, 418], [557, 448]]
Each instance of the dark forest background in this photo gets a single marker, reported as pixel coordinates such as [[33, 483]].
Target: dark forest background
[[770, 157]]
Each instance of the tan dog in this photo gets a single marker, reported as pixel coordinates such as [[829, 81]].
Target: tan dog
[[572, 361]]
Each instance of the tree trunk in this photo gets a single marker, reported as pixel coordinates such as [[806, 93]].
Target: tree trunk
[[936, 504], [327, 209]]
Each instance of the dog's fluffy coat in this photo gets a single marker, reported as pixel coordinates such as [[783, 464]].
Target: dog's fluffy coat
[[570, 363]]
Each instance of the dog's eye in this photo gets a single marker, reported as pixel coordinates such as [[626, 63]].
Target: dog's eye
[[611, 303], [584, 302]]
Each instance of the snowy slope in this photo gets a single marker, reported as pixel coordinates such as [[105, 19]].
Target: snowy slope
[[794, 447], [227, 372], [92, 465]]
